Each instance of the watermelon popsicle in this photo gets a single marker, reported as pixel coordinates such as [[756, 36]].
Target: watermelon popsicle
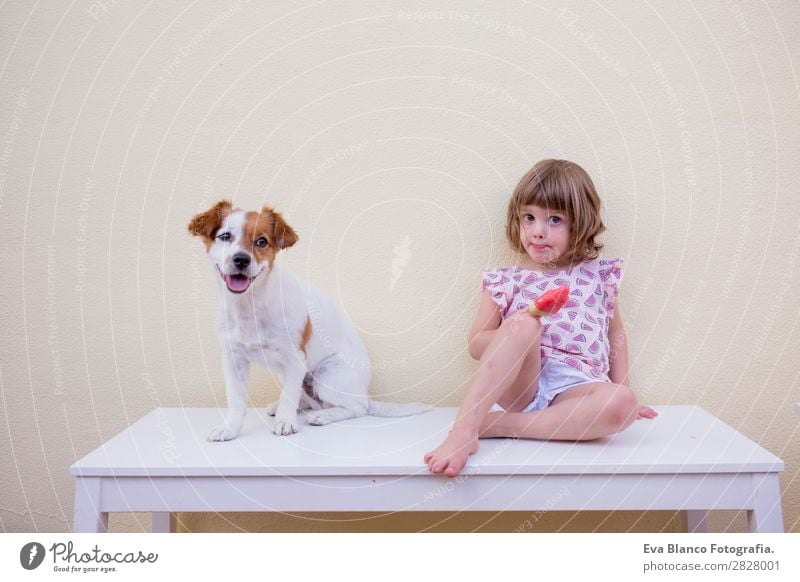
[[550, 302]]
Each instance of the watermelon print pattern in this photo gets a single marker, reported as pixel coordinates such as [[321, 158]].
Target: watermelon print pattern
[[578, 334]]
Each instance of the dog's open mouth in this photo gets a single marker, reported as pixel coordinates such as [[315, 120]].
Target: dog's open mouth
[[237, 283]]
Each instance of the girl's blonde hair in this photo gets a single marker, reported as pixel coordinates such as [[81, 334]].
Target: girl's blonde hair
[[564, 186]]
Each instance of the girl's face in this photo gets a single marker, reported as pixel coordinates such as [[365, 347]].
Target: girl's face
[[545, 235]]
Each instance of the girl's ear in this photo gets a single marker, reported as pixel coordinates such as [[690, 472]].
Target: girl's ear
[[207, 223], [283, 234]]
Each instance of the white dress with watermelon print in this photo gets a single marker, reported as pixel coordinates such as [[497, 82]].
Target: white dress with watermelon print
[[578, 334]]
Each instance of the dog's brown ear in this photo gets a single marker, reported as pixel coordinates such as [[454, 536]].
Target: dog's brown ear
[[283, 234], [207, 223]]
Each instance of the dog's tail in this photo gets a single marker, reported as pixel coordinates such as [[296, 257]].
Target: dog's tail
[[378, 408]]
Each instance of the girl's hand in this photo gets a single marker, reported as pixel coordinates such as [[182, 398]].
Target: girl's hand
[[646, 412], [519, 319], [518, 315]]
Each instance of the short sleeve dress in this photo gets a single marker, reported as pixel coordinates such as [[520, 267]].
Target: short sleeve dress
[[578, 334]]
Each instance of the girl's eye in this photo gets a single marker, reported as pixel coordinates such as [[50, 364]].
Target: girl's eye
[[261, 242], [225, 236], [528, 217], [555, 220]]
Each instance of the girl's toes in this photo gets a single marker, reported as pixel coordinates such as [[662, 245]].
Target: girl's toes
[[454, 468]]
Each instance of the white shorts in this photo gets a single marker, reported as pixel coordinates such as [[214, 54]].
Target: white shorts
[[556, 377]]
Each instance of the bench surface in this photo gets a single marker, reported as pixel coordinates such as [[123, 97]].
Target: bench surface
[[172, 442], [686, 459]]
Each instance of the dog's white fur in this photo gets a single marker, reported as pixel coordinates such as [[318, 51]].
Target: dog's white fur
[[284, 325]]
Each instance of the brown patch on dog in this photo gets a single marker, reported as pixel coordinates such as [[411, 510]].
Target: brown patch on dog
[[206, 224], [271, 226], [307, 332], [283, 234]]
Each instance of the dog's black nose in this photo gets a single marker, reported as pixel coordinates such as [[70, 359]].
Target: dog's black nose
[[241, 260]]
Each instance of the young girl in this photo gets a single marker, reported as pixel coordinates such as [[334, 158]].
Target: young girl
[[562, 376]]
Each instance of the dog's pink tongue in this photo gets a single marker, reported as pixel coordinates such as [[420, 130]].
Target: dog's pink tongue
[[237, 284]]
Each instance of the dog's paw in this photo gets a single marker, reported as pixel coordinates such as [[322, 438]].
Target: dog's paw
[[285, 427], [272, 409], [317, 418], [222, 433]]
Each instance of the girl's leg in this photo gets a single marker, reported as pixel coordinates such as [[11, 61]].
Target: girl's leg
[[516, 345], [583, 413], [524, 387]]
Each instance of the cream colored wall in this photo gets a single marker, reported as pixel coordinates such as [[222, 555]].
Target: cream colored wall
[[390, 136]]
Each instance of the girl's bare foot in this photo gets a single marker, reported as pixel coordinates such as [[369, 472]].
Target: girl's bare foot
[[451, 456], [493, 426]]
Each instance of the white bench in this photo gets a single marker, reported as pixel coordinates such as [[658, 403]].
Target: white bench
[[686, 459]]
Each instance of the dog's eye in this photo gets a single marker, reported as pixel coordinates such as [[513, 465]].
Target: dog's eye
[[225, 236], [261, 242]]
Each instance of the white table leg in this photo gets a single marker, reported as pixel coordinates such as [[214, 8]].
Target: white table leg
[[163, 522], [697, 521], [767, 514], [88, 517]]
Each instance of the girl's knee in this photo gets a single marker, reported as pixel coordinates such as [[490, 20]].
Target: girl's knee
[[522, 331], [621, 407], [518, 345]]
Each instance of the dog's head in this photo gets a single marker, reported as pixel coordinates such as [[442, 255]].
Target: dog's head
[[242, 245]]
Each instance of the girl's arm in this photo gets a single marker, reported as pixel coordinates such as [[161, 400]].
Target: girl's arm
[[618, 358], [618, 350], [486, 322]]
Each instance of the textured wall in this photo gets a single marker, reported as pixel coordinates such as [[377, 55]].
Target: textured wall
[[390, 138]]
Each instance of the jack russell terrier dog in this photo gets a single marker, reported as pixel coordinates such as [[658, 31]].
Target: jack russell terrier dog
[[270, 318]]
